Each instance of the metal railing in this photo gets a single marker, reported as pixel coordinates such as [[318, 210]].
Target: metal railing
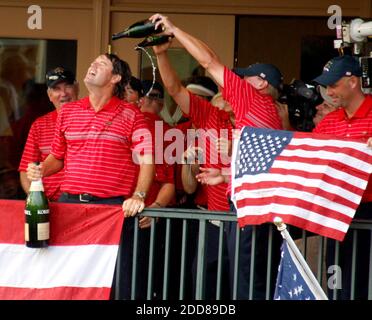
[[161, 282]]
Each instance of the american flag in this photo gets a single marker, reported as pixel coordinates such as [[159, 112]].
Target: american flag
[[312, 181], [292, 282]]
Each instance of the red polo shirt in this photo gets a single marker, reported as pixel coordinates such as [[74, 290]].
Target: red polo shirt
[[37, 148], [359, 126], [97, 147], [251, 108], [215, 124], [164, 172]]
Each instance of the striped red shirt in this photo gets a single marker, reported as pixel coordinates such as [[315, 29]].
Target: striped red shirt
[[251, 108], [37, 148], [359, 127], [208, 117], [97, 147], [164, 172]]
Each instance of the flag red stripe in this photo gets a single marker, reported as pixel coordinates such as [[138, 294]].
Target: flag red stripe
[[293, 220], [298, 187], [70, 224], [295, 202], [58, 293]]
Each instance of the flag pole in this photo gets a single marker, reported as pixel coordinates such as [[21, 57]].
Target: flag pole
[[282, 227]]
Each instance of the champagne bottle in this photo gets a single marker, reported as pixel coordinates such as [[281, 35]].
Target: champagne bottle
[[154, 41], [139, 29], [36, 216]]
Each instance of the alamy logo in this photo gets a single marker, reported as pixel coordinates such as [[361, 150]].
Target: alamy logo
[[335, 20], [335, 278], [35, 20]]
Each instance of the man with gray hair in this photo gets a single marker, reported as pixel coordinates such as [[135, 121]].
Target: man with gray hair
[[62, 88]]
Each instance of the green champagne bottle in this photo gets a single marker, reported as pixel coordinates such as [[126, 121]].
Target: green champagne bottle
[[37, 216], [154, 41], [139, 29]]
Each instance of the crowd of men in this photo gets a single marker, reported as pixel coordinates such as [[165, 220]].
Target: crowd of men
[[104, 148]]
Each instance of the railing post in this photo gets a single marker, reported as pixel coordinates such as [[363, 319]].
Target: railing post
[[200, 271], [166, 258], [135, 255], [151, 259], [183, 259]]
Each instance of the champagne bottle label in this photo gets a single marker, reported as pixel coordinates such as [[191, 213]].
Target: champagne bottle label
[[27, 234], [44, 211], [43, 231]]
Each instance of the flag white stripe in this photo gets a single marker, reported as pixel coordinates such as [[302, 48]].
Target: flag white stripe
[[315, 183], [360, 146], [327, 155], [293, 211], [322, 169], [57, 266], [294, 194]]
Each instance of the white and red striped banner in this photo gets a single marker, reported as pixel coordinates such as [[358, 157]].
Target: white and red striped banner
[[79, 262], [312, 181]]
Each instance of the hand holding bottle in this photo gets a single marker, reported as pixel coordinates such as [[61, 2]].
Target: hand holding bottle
[[34, 171], [163, 23], [159, 49], [36, 213]]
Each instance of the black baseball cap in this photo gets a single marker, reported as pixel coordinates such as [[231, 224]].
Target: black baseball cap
[[265, 71], [337, 68], [58, 75]]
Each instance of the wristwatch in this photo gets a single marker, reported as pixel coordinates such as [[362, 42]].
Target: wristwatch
[[140, 194]]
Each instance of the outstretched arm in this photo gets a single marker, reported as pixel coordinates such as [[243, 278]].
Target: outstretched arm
[[197, 48], [212, 176], [170, 79]]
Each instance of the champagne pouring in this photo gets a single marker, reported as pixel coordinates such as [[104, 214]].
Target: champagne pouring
[[153, 68], [145, 28]]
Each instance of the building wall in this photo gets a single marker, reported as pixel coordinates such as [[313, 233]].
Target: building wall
[[91, 22], [279, 40]]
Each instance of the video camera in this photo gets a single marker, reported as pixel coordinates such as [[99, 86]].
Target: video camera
[[354, 35], [301, 98]]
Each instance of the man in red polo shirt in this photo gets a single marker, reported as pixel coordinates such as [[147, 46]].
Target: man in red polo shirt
[[211, 123], [341, 77], [100, 140], [62, 88], [252, 101]]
